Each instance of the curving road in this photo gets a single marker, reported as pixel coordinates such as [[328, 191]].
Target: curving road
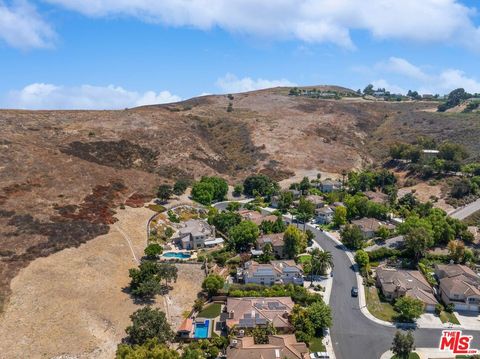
[[354, 336]]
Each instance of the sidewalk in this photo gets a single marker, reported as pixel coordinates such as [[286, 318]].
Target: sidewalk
[[326, 282]]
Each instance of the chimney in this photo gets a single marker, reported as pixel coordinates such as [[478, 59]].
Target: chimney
[[231, 314]]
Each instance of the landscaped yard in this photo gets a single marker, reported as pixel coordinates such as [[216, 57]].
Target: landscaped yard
[[210, 311], [316, 345], [306, 258], [378, 308], [446, 317], [411, 356]]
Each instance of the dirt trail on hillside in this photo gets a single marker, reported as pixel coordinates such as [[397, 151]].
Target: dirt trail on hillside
[[71, 304]]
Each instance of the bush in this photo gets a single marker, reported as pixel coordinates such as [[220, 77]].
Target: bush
[[449, 308], [439, 308], [384, 253]]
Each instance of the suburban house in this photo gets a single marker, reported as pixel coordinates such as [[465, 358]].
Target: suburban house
[[324, 215], [253, 312], [256, 217], [196, 233], [275, 272], [376, 196], [296, 193], [278, 347], [459, 285], [395, 283], [276, 240], [396, 242], [370, 226], [316, 200], [330, 185]]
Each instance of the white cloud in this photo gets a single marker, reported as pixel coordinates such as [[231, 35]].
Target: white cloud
[[48, 96], [313, 21], [403, 67], [23, 28], [441, 82], [231, 83]]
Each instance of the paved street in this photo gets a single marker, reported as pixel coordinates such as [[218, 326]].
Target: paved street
[[353, 335], [466, 211]]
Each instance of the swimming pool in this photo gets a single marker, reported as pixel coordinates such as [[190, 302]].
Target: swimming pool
[[180, 255], [201, 330]]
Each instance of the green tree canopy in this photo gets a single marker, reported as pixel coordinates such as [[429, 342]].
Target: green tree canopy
[[243, 235], [164, 192], [153, 250], [403, 344], [213, 283], [224, 221], [321, 261], [352, 237], [151, 349], [148, 323], [209, 189], [260, 185], [180, 186], [409, 308], [340, 216], [295, 241]]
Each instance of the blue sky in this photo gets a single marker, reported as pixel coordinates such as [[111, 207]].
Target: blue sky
[[116, 54]]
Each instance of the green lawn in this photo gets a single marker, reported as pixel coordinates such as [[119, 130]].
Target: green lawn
[[378, 308], [306, 258], [316, 345], [411, 356], [446, 317], [210, 311]]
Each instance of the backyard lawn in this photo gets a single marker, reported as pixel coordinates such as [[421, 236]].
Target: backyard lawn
[[210, 311], [306, 258], [316, 345], [446, 317], [378, 308]]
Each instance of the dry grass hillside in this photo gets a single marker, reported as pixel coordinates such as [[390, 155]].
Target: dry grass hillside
[[62, 172]]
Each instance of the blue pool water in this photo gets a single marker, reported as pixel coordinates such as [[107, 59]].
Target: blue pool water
[[201, 330], [176, 255]]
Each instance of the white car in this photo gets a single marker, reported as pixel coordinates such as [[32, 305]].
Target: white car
[[319, 355]]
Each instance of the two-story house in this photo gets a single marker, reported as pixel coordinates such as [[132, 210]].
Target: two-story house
[[275, 272], [459, 285]]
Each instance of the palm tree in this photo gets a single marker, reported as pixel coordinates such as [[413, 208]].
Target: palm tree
[[321, 261]]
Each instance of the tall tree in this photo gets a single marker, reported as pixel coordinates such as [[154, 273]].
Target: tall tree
[[295, 241], [164, 192], [352, 237], [322, 261], [243, 235], [305, 210], [213, 283], [403, 344], [409, 308], [148, 323]]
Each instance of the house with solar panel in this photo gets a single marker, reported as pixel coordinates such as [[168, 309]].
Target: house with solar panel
[[249, 313], [275, 272]]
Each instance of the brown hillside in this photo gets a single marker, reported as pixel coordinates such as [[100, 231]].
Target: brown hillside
[[62, 172]]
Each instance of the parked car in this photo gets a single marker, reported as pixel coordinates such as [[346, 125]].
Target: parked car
[[354, 292], [319, 355]]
